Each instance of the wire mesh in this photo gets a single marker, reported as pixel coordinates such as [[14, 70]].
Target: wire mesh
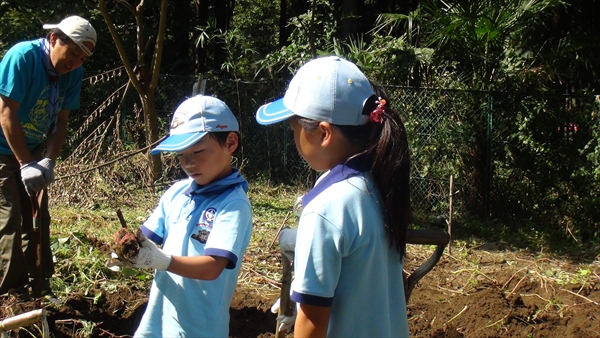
[[507, 151]]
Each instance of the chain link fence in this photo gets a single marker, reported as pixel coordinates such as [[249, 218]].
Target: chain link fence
[[508, 153]]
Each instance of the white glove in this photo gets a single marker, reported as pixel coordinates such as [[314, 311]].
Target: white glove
[[298, 205], [285, 322], [150, 255], [47, 165], [32, 175], [287, 242]]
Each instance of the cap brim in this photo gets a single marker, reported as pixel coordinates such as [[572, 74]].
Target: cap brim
[[50, 26], [273, 112], [174, 143]]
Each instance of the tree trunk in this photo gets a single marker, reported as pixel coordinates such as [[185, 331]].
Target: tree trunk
[[144, 77], [151, 122]]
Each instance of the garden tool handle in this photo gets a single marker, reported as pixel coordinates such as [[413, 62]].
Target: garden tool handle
[[37, 243], [440, 239], [285, 304]]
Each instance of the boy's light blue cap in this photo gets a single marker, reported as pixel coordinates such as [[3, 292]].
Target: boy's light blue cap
[[328, 89], [194, 118]]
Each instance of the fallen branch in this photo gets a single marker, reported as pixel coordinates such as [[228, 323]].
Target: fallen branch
[[23, 319], [535, 295], [449, 290], [280, 228], [110, 334], [269, 281]]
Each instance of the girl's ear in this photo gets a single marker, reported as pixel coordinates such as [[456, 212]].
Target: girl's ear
[[326, 132], [232, 142]]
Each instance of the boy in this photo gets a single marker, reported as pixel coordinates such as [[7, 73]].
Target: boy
[[203, 223]]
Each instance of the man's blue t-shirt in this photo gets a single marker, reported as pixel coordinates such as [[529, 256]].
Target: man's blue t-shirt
[[24, 79]]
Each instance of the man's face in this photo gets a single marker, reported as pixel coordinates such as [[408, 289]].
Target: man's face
[[65, 56]]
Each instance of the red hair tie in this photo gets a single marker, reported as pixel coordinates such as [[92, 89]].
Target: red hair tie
[[377, 113]]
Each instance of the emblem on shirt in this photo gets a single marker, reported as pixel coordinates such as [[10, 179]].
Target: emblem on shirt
[[201, 236], [203, 227], [209, 215]]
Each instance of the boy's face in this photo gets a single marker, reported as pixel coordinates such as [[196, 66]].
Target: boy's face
[[207, 161]]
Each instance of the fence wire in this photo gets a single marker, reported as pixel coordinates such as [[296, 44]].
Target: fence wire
[[507, 152]]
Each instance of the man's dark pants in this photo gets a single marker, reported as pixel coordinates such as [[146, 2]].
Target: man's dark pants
[[17, 255]]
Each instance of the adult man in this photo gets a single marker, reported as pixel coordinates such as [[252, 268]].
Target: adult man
[[40, 82]]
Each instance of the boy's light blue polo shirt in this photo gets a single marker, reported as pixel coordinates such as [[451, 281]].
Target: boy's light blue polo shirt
[[213, 220]]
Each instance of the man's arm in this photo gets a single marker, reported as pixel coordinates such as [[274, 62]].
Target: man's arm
[[13, 131], [57, 139]]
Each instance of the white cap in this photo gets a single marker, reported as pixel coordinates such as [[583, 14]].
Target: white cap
[[328, 89], [79, 30]]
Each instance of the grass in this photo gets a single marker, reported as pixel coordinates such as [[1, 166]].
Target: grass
[[82, 236], [81, 239]]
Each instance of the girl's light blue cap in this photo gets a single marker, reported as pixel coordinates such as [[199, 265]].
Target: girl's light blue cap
[[194, 118], [328, 89]]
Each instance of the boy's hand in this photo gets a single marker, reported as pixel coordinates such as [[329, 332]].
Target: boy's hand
[[150, 255]]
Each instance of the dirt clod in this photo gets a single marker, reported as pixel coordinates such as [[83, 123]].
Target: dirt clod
[[126, 244]]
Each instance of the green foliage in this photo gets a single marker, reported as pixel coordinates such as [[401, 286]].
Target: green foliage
[[475, 36], [385, 58], [509, 162], [548, 166], [313, 35]]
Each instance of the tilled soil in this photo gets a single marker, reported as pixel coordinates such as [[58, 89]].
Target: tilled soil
[[477, 292]]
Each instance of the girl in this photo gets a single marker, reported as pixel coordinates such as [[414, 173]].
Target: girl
[[351, 235]]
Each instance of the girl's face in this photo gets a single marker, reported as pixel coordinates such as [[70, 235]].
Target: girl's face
[[308, 144], [207, 161]]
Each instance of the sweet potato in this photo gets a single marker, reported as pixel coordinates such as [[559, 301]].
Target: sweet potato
[[126, 244]]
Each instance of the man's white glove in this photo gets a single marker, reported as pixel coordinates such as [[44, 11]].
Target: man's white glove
[[285, 322], [47, 165], [32, 175], [150, 255]]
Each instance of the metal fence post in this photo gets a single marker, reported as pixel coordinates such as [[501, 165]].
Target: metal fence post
[[488, 164]]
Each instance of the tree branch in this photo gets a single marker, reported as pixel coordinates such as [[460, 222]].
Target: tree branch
[[119, 44], [127, 5], [158, 49]]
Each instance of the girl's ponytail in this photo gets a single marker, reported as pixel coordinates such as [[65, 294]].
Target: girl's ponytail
[[390, 165]]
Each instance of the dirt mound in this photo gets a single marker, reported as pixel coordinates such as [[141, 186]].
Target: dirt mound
[[505, 294], [473, 293]]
